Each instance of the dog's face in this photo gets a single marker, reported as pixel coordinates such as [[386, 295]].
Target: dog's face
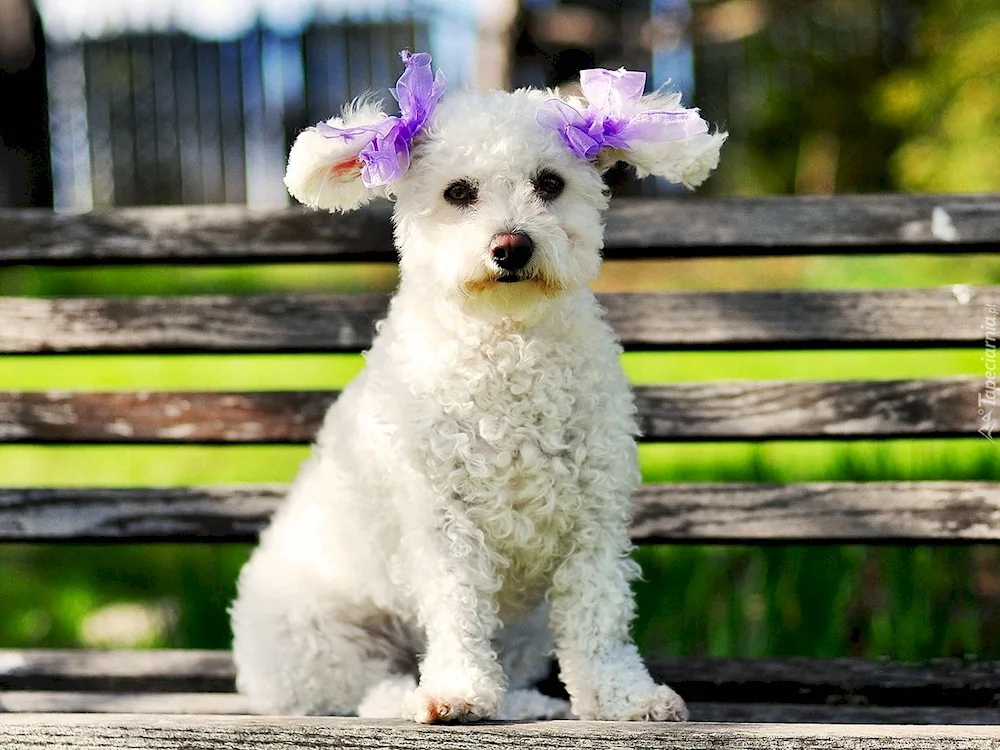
[[494, 208], [497, 205]]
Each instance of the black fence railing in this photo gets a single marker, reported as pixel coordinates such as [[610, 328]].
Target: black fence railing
[[173, 119]]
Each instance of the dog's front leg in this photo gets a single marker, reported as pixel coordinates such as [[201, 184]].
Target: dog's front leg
[[455, 584], [592, 607]]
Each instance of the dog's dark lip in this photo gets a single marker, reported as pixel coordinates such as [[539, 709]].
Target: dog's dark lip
[[509, 278]]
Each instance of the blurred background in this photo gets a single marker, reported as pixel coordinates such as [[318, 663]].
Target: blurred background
[[109, 103]]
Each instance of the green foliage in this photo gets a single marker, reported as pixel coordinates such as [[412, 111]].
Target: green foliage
[[902, 602], [946, 105], [792, 91], [48, 593], [852, 96]]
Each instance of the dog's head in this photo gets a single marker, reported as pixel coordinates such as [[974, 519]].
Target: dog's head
[[498, 195]]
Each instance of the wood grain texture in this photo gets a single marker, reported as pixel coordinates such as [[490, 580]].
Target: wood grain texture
[[63, 701], [797, 319], [213, 513], [794, 713], [715, 410], [117, 671], [940, 317], [807, 512], [636, 228], [799, 681], [741, 410], [833, 682], [180, 234], [53, 701], [163, 417], [277, 323], [871, 512], [21, 731]]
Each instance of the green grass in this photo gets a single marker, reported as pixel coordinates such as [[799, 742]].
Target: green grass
[[827, 272], [902, 602], [303, 371], [913, 602]]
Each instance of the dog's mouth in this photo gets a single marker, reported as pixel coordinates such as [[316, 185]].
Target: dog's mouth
[[537, 281]]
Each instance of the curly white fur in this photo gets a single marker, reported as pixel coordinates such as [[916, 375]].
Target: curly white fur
[[685, 161], [325, 172], [465, 511]]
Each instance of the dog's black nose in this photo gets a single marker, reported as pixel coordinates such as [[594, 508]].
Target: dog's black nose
[[512, 250]]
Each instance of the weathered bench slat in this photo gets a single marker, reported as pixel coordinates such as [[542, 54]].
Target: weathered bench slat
[[37, 701], [874, 512], [635, 229], [19, 731], [60, 701], [714, 410], [722, 410], [940, 317], [871, 512], [790, 712], [852, 681], [154, 671]]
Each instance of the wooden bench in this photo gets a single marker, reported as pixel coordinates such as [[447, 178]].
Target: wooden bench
[[185, 699]]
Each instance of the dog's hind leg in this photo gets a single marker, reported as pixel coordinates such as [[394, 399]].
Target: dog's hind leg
[[532, 705], [300, 649], [384, 700]]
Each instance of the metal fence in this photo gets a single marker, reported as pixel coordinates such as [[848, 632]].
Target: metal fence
[[169, 118]]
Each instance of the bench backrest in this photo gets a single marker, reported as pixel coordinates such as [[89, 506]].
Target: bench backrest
[[947, 317]]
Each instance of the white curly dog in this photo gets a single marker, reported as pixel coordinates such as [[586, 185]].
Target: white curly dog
[[464, 514]]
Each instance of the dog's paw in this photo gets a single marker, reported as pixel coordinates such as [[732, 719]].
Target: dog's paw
[[663, 705], [427, 706]]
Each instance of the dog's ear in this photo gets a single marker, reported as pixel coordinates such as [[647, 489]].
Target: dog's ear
[[324, 171], [687, 160], [614, 121]]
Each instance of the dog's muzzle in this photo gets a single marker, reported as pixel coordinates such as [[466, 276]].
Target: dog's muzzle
[[511, 251]]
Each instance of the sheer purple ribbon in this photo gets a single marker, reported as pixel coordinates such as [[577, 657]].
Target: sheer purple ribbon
[[385, 155], [612, 118]]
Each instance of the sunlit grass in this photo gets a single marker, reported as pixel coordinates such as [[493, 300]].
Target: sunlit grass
[[808, 272], [188, 372], [305, 371], [909, 603], [775, 461], [145, 465]]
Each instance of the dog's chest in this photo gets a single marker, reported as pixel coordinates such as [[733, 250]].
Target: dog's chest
[[510, 443]]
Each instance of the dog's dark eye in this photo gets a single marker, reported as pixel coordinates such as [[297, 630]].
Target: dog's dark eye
[[549, 186], [461, 193]]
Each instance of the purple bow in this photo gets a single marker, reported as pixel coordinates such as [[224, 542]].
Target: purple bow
[[612, 118], [385, 155]]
